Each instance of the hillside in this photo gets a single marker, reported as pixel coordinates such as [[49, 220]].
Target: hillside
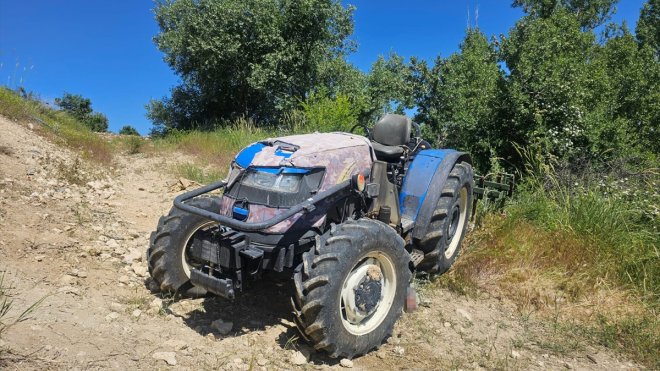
[[73, 239]]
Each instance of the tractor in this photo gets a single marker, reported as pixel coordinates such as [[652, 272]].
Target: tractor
[[349, 218]]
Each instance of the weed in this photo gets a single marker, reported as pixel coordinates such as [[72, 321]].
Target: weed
[[138, 300], [292, 342], [197, 174], [132, 144], [81, 213], [72, 173], [639, 336], [6, 303], [215, 148]]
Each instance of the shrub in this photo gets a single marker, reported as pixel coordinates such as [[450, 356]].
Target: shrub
[[326, 114], [128, 130]]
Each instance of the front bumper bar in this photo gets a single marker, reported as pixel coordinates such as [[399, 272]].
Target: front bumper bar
[[338, 190]]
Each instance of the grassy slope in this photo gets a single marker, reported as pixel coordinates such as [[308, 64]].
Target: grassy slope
[[584, 262], [58, 126], [213, 150]]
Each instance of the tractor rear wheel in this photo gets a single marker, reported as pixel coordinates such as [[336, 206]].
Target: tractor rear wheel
[[168, 255], [350, 288], [449, 222]]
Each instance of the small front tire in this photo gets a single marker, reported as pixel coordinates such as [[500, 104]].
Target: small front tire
[[168, 255]]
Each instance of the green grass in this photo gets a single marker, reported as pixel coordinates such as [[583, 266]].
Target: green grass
[[199, 174], [57, 125], [581, 254], [212, 151]]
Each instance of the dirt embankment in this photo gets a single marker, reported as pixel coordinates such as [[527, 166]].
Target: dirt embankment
[[75, 236]]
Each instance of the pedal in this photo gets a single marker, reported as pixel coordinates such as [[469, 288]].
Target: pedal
[[416, 257]]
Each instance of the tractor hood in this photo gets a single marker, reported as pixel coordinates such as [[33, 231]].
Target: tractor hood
[[340, 154], [333, 156]]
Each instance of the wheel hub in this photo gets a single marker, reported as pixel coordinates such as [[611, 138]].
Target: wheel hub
[[367, 295], [363, 292], [454, 221]]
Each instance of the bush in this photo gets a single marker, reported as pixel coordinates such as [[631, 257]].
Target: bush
[[326, 114], [128, 130]]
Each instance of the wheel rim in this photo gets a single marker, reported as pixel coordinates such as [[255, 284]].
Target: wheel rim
[[186, 260], [367, 293], [457, 219]]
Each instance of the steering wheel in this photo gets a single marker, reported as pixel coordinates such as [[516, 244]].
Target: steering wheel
[[364, 127]]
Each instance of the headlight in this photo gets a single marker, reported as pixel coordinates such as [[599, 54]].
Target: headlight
[[289, 183]]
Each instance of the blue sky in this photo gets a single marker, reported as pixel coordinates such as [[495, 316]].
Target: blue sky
[[104, 50]]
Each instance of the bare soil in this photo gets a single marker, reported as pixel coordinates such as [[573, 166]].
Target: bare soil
[[75, 235]]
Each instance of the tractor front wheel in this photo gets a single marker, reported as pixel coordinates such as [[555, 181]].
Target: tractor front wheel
[[169, 249], [350, 289]]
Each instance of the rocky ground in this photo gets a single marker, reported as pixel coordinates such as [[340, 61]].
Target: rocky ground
[[73, 239]]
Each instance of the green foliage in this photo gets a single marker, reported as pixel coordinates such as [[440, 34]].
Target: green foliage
[[325, 114], [625, 119], [128, 130], [648, 26], [81, 108], [387, 88], [589, 13], [551, 85], [253, 58], [616, 217], [76, 105], [97, 122], [460, 99]]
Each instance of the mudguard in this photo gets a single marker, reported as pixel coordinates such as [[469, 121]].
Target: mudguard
[[422, 187]]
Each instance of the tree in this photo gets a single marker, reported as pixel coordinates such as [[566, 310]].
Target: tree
[[589, 13], [255, 58], [75, 104], [388, 87], [648, 26], [81, 108], [552, 83], [629, 110], [458, 98], [128, 130]]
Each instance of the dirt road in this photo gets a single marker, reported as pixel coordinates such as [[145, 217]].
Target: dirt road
[[74, 236]]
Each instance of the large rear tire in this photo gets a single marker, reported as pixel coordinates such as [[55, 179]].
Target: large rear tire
[[449, 222], [168, 259], [350, 289]]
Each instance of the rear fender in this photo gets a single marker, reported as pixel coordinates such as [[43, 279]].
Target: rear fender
[[422, 187]]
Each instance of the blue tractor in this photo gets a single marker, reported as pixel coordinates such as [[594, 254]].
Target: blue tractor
[[349, 217]]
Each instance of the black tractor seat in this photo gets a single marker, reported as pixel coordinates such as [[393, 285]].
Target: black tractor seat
[[390, 134], [387, 153]]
